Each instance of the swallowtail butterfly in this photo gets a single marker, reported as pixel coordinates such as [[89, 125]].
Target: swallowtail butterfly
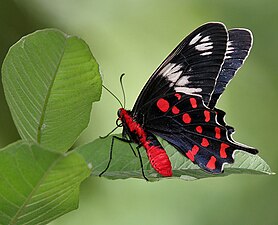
[[178, 101]]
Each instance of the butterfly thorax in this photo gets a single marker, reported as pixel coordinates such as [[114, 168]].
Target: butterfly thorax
[[133, 129], [136, 133]]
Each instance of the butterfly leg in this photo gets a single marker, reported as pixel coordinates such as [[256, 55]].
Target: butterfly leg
[[141, 162], [111, 151]]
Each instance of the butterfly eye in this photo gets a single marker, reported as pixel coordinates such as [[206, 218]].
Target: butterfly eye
[[119, 113]]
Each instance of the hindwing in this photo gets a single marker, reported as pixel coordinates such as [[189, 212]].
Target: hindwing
[[238, 48], [193, 128]]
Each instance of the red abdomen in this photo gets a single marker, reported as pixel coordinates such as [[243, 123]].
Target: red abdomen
[[159, 159]]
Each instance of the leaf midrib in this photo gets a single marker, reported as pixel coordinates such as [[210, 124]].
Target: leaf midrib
[[48, 94], [14, 220]]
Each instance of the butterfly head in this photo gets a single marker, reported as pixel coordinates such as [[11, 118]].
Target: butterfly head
[[120, 112]]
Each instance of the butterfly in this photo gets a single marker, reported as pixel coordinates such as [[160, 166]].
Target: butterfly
[[178, 101]]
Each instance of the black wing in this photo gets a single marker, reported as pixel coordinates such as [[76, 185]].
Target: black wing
[[192, 67], [174, 102], [186, 123], [238, 48]]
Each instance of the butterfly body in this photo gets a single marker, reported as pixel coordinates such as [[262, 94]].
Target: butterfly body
[[156, 154], [178, 101]]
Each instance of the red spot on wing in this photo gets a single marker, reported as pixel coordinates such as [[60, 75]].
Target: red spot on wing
[[178, 96], [199, 129], [223, 148], [193, 102], [163, 104], [186, 118], [191, 153], [195, 149], [205, 142], [211, 163], [175, 110], [217, 133], [207, 115]]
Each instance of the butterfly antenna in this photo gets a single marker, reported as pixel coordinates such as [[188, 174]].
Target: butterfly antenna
[[113, 95], [122, 86]]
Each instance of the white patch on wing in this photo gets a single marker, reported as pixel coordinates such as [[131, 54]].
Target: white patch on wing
[[187, 90], [172, 72], [229, 43], [204, 46], [174, 76], [166, 70], [206, 53], [230, 49], [195, 39], [182, 81], [205, 39]]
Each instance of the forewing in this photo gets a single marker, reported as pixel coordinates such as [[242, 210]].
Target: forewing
[[191, 68], [238, 48], [193, 128]]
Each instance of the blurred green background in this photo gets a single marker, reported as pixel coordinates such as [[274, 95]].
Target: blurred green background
[[134, 37]]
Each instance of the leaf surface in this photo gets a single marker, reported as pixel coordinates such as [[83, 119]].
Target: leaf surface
[[38, 185], [125, 165], [50, 81]]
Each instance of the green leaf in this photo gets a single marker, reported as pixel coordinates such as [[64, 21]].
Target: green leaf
[[125, 165], [37, 185], [50, 81]]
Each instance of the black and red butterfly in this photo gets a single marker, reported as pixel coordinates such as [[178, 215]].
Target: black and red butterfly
[[178, 101]]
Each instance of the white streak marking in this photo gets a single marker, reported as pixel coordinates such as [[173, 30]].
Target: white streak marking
[[195, 39], [183, 81], [173, 77], [204, 47], [206, 53], [205, 39], [188, 90], [229, 52], [171, 72], [229, 44], [166, 70]]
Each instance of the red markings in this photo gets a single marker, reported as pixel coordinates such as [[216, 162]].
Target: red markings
[[193, 102], [186, 118], [159, 159], [211, 163], [191, 153], [156, 154], [178, 96], [133, 126], [163, 104], [195, 149], [217, 132], [207, 115], [175, 110], [223, 148], [199, 129], [205, 142]]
